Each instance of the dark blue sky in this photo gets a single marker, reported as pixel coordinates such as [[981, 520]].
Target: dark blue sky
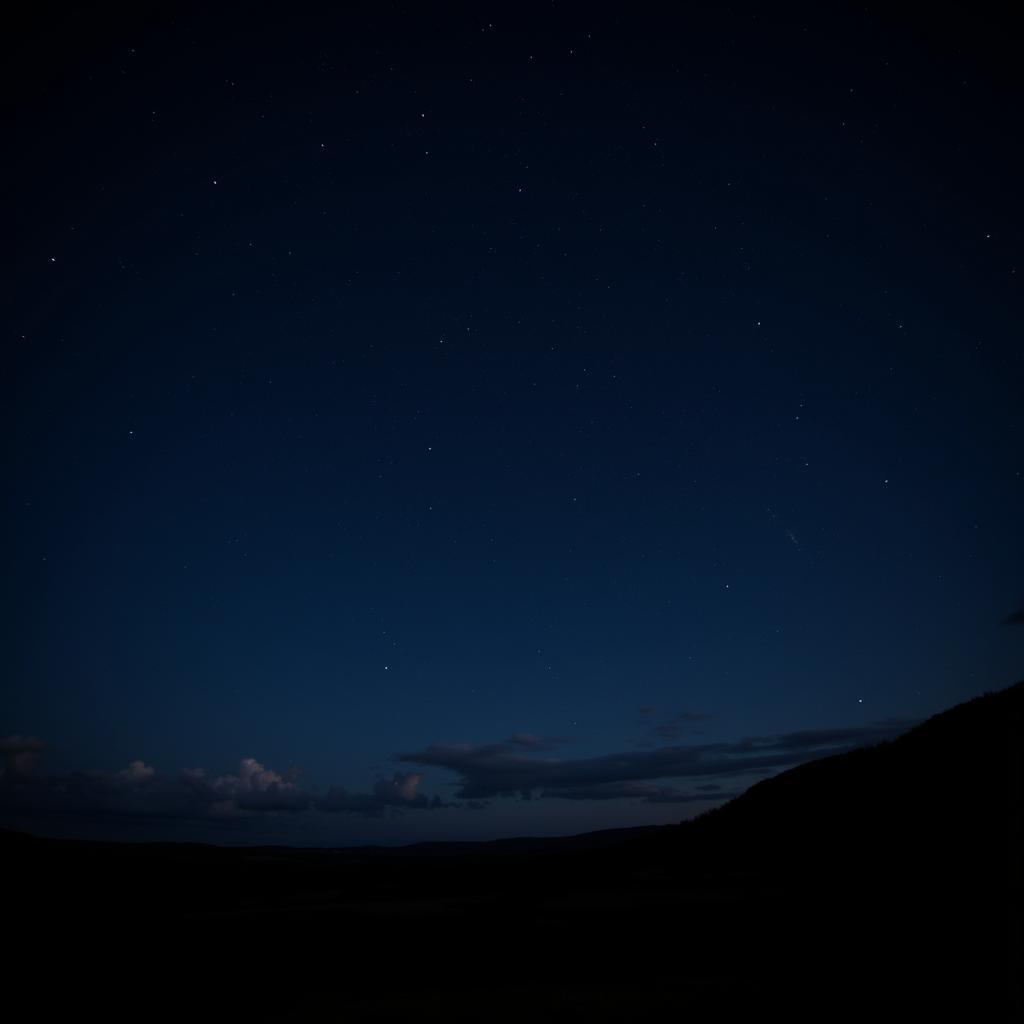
[[593, 391]]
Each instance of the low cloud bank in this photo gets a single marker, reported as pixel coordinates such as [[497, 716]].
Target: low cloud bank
[[141, 792], [524, 766], [505, 769]]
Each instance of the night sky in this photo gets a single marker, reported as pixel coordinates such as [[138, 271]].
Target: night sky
[[443, 422]]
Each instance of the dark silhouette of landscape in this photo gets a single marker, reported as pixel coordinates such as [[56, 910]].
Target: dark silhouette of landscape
[[881, 880]]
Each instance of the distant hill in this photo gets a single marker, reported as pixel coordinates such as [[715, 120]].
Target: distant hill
[[887, 880]]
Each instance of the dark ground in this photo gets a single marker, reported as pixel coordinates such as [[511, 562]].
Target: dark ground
[[883, 881]]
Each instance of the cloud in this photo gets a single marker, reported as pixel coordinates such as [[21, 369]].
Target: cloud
[[141, 792], [524, 765], [1014, 618], [648, 792], [400, 791], [137, 771], [256, 788], [504, 769]]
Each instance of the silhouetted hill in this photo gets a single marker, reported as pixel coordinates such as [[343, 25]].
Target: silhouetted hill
[[903, 861], [887, 879], [951, 785]]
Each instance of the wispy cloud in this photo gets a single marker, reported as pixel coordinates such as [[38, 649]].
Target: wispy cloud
[[503, 769], [648, 792]]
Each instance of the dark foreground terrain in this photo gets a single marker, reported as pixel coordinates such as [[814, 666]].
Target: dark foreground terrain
[[883, 881]]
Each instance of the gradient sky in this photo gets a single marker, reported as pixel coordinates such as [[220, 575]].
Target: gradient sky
[[489, 419]]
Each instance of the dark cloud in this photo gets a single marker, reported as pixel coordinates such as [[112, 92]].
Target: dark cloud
[[273, 799], [400, 791], [503, 769], [648, 792], [1014, 618]]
